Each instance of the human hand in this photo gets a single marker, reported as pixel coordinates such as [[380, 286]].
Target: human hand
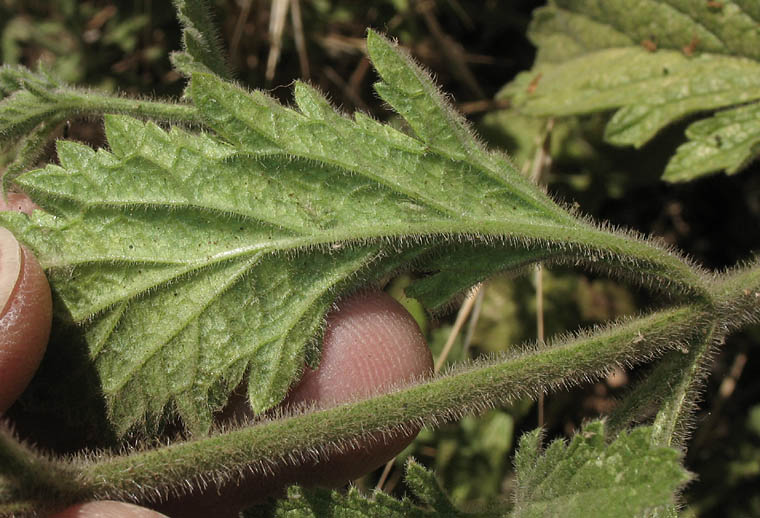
[[370, 342]]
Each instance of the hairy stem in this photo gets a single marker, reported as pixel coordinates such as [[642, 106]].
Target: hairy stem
[[53, 106], [33, 475], [97, 103], [737, 296], [144, 475]]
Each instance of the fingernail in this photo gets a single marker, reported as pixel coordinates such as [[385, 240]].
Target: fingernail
[[10, 266]]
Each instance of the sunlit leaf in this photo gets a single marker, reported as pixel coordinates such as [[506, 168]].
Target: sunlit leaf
[[649, 64], [589, 478]]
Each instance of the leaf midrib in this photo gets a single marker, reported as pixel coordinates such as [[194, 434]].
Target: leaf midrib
[[471, 230]]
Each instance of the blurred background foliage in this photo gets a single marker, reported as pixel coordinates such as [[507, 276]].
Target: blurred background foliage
[[473, 48]]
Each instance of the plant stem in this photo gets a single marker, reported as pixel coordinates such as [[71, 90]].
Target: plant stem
[[737, 296], [97, 103], [144, 475], [34, 475]]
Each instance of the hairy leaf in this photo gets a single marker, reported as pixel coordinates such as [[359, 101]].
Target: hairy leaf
[[322, 503], [28, 99], [652, 63], [202, 51], [192, 260], [590, 478]]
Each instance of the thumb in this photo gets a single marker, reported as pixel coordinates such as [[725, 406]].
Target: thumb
[[25, 309], [25, 317]]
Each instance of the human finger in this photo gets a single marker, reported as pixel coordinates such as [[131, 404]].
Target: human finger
[[25, 317], [371, 343]]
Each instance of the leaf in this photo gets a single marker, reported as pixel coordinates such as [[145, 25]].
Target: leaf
[[191, 260], [623, 478], [649, 90], [729, 140], [322, 503], [652, 63], [28, 99], [200, 39], [460, 268], [572, 28]]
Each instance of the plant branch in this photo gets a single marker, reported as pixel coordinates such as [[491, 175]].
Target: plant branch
[[163, 111], [737, 295], [28, 108], [144, 475], [33, 476]]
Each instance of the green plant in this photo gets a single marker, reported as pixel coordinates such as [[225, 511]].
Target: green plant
[[318, 204]]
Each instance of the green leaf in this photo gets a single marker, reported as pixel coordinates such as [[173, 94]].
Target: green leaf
[[652, 63], [648, 90], [200, 39], [28, 99], [322, 503], [571, 28], [727, 141], [459, 268], [623, 478], [191, 260]]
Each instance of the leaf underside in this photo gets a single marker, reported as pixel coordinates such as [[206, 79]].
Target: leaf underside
[[192, 259], [652, 63]]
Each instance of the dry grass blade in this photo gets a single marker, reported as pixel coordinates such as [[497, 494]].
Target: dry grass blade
[[464, 312], [303, 56], [277, 17]]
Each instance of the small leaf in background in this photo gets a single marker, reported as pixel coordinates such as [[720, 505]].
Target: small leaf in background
[[648, 90], [460, 268], [200, 39], [729, 140], [28, 98], [591, 478], [652, 64]]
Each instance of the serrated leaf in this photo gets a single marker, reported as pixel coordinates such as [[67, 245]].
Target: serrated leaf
[[191, 260], [570, 28], [322, 503], [727, 141], [648, 90], [652, 63], [28, 99], [623, 478], [200, 39]]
